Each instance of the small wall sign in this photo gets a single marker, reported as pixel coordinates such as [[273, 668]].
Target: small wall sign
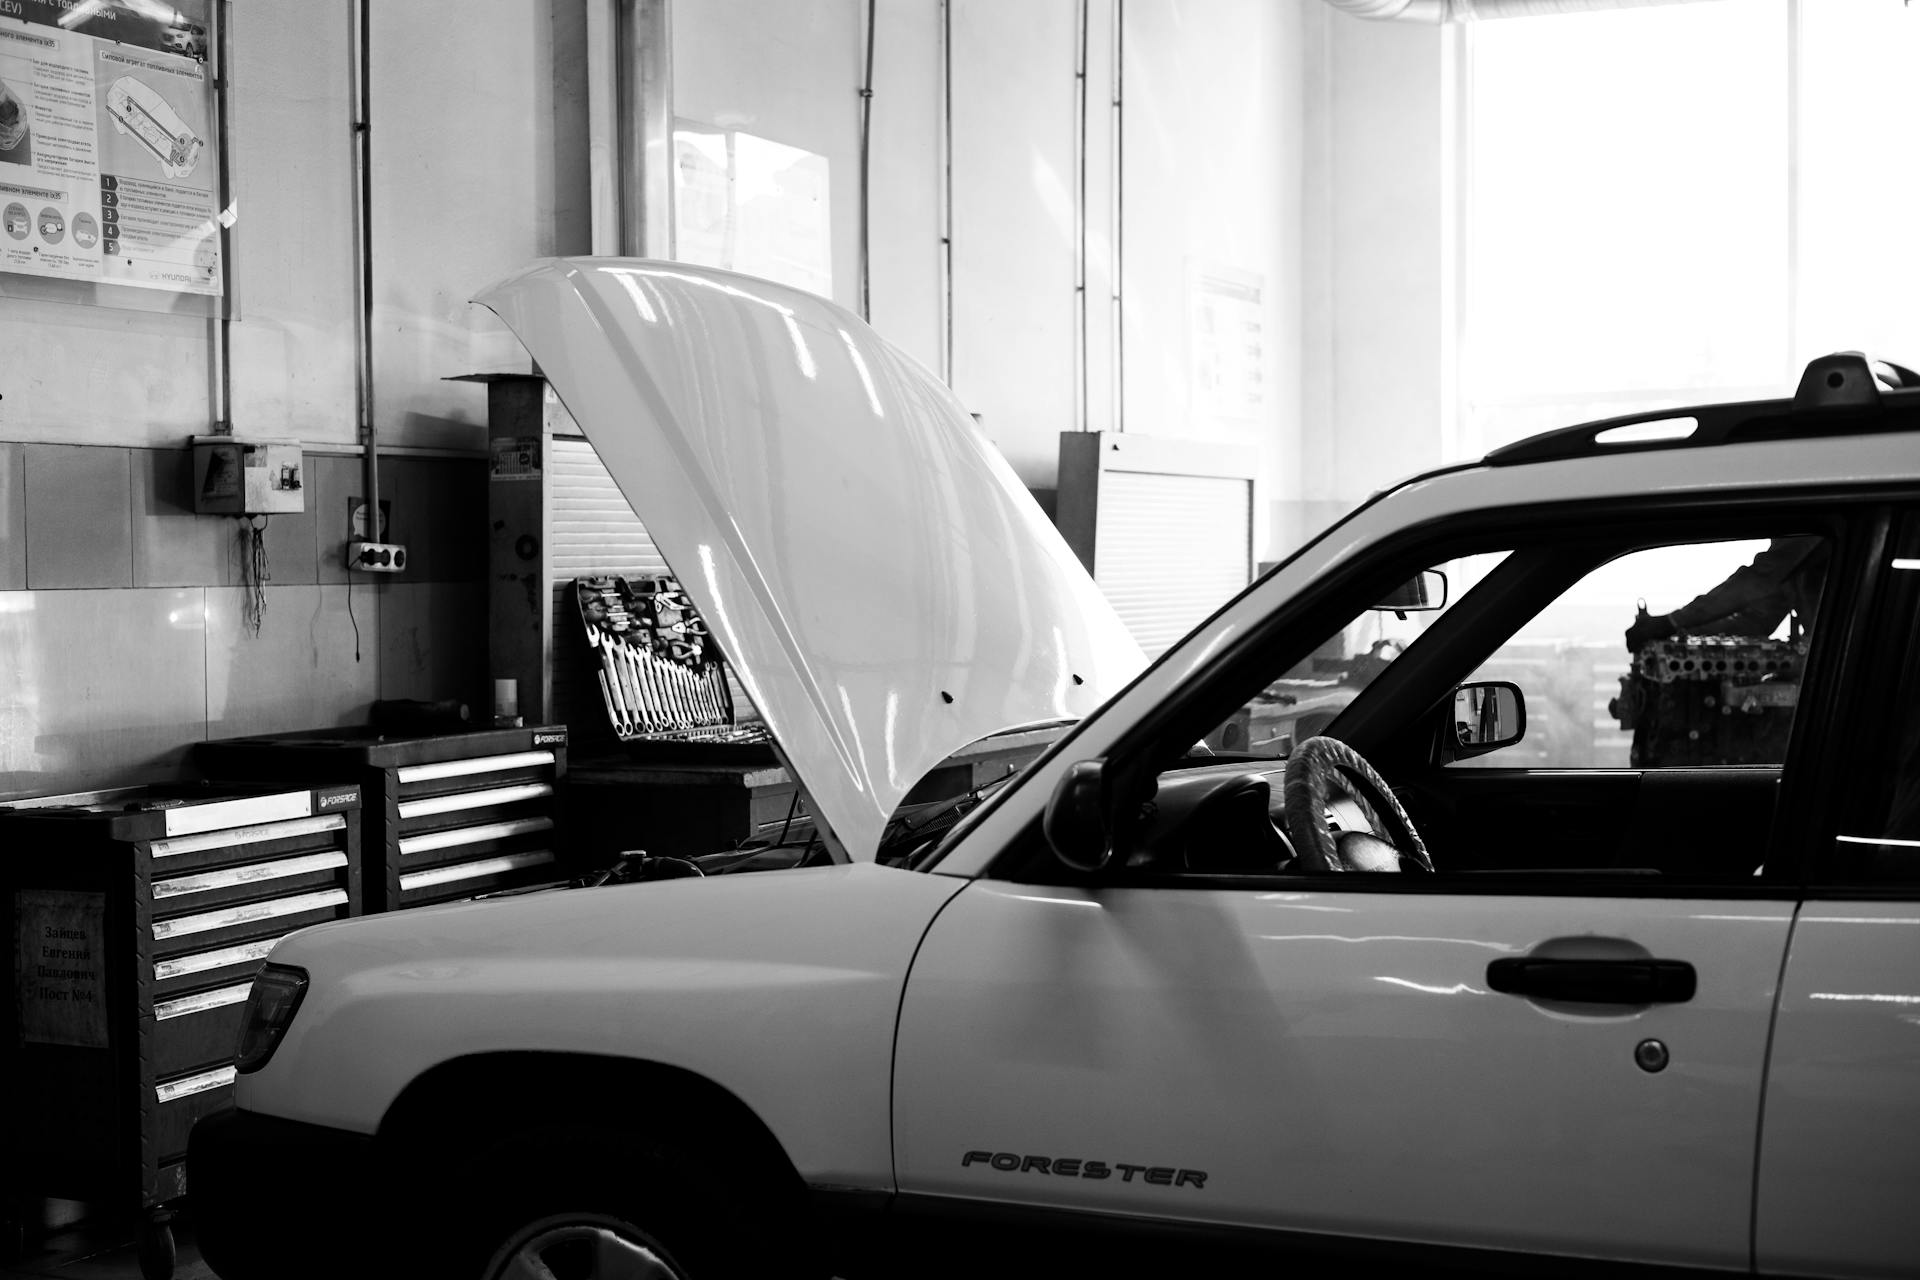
[[60, 961]]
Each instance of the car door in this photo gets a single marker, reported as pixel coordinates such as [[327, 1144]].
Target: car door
[[1327, 1062], [1410, 1058], [1839, 1171]]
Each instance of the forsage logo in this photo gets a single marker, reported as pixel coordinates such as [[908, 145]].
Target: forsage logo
[[1157, 1175]]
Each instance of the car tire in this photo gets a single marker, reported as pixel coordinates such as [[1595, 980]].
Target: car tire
[[557, 1187], [585, 1245]]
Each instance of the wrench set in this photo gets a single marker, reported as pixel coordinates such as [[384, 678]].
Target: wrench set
[[660, 675]]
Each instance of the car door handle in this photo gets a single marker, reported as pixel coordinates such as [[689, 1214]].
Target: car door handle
[[1594, 981]]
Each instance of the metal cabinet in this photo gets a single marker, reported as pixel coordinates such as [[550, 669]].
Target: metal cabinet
[[139, 918], [449, 816]]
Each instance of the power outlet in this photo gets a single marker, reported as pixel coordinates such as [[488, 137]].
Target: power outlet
[[376, 557]]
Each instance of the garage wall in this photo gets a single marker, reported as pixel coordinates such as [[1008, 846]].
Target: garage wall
[[479, 144], [1215, 112], [123, 637], [906, 201], [787, 72], [1379, 259], [85, 374], [479, 165], [1015, 183], [479, 148], [292, 270], [1212, 187]]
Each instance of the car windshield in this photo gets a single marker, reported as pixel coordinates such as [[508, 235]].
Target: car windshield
[[1304, 701]]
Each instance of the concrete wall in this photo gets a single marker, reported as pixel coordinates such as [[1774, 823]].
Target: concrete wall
[[906, 205], [1216, 114], [479, 164], [479, 144], [1208, 176], [1379, 257], [122, 635]]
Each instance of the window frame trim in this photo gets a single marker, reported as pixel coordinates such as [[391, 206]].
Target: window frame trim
[[1892, 597]]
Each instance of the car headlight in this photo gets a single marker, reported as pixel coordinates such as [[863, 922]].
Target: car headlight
[[270, 1008]]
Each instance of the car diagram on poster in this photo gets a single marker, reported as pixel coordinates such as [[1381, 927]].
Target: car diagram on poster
[[138, 111]]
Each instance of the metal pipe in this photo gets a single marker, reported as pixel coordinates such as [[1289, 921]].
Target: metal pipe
[[222, 75], [1119, 216], [1439, 11], [603, 159], [1081, 360], [643, 110], [363, 175], [866, 156], [1796, 117], [946, 180]]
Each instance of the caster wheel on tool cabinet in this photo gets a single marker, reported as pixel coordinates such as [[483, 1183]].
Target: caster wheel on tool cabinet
[[157, 1251]]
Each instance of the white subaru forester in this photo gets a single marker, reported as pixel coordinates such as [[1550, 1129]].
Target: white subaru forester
[[1544, 951]]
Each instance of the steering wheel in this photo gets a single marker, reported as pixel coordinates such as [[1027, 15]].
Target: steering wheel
[[1321, 769]]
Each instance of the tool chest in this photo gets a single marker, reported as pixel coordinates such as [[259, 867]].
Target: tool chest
[[140, 917], [448, 816]]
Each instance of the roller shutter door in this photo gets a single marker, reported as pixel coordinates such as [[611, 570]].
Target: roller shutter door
[[1170, 549], [595, 534]]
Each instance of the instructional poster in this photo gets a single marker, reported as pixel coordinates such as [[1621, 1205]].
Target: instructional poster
[[107, 171], [1228, 342]]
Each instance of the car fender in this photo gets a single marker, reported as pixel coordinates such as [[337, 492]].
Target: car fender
[[782, 988]]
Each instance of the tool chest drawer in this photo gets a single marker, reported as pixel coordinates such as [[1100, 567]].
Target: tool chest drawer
[[448, 816], [140, 917]]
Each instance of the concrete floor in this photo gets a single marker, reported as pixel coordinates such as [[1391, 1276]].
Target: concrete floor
[[84, 1253]]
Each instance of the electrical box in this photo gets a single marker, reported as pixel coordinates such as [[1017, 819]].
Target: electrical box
[[237, 476]]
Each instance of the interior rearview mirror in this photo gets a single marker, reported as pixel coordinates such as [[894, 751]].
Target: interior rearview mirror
[[1424, 592], [1487, 715], [1075, 822]]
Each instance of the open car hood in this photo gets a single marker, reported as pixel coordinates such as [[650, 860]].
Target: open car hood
[[885, 588]]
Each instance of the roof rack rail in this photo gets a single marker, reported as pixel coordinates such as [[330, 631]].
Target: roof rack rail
[[1845, 383]]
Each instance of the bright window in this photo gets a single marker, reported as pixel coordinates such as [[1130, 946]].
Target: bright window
[[1663, 206], [1858, 193]]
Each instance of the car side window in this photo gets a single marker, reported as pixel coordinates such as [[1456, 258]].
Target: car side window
[[1303, 701], [1879, 837], [1689, 654], [1220, 810]]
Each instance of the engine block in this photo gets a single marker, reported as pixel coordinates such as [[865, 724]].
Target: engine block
[[1710, 700]]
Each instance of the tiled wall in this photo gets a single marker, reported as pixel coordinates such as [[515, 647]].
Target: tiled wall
[[122, 630]]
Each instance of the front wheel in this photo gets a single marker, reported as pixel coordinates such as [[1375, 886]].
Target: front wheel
[[583, 1246], [569, 1201]]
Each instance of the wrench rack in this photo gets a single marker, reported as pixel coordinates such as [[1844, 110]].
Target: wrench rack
[[662, 682]]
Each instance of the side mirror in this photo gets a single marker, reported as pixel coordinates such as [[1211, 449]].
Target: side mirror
[[1487, 715], [1075, 822], [1420, 594]]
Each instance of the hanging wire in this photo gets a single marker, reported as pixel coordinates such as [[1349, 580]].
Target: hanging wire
[[350, 618], [255, 571]]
